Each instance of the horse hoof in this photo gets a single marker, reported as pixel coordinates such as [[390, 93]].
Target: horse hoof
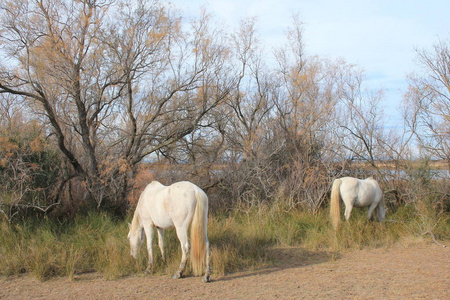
[[148, 270], [176, 276], [206, 279]]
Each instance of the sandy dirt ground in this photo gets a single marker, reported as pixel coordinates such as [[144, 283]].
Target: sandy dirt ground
[[414, 271]]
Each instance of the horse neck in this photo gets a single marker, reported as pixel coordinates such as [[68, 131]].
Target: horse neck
[[136, 222]]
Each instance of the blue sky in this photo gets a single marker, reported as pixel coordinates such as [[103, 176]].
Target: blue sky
[[379, 36]]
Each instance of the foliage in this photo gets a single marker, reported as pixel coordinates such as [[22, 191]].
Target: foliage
[[29, 168]]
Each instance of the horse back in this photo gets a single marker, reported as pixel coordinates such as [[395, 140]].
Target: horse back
[[153, 204], [349, 188], [360, 192], [167, 206]]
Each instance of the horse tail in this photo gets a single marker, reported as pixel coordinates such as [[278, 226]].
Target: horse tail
[[199, 237], [335, 211]]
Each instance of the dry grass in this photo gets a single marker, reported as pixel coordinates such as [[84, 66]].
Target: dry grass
[[239, 241]]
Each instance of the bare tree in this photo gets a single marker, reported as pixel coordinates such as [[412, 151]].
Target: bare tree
[[427, 101], [306, 110], [362, 121], [116, 81], [251, 101]]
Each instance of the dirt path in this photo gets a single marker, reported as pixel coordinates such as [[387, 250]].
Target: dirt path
[[419, 271]]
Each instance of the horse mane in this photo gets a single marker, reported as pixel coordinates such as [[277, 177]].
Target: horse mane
[[136, 222]]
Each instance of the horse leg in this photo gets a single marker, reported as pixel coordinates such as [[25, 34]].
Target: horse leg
[[381, 212], [371, 209], [149, 234], [161, 242], [184, 242], [208, 271], [348, 210]]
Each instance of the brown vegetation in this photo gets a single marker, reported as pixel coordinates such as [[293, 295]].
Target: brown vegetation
[[97, 99]]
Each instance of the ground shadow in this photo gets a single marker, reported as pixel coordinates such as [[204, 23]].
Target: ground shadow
[[294, 257], [282, 258]]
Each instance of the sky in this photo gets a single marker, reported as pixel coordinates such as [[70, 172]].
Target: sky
[[379, 36]]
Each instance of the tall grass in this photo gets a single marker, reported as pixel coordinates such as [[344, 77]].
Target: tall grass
[[239, 241], [50, 248]]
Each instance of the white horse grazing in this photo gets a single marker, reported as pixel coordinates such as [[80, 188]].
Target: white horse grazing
[[358, 193], [180, 204]]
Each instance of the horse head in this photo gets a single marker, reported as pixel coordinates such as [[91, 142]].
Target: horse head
[[135, 236]]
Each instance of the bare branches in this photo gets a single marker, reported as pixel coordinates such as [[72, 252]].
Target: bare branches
[[428, 101], [127, 83]]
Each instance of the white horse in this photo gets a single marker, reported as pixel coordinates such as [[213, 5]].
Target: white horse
[[358, 193], [180, 204]]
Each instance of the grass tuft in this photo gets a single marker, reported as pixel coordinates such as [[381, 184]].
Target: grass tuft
[[239, 241]]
